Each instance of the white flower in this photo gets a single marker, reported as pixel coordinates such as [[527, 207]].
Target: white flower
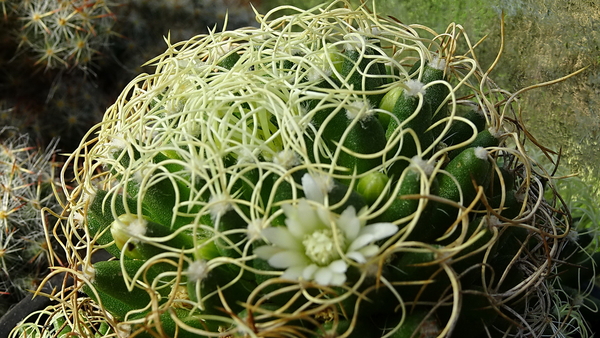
[[315, 244]]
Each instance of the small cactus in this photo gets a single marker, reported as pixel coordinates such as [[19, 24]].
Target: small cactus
[[26, 175], [63, 33]]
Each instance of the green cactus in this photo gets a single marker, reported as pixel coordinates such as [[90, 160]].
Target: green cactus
[[261, 195]]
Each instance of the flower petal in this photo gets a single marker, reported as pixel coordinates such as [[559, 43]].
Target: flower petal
[[338, 279], [338, 266], [266, 251], [380, 230], [312, 189], [309, 272], [369, 250], [361, 241], [349, 223], [356, 256], [293, 273], [295, 226], [286, 259], [300, 219], [324, 216], [323, 276], [372, 233], [282, 237]]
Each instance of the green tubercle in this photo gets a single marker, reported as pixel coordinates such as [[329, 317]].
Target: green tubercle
[[372, 186]]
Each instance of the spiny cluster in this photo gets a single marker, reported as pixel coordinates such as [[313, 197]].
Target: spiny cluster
[[26, 175], [61, 33]]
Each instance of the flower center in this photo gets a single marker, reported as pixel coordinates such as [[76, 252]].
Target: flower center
[[320, 246]]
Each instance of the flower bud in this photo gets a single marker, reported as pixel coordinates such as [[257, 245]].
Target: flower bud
[[372, 186]]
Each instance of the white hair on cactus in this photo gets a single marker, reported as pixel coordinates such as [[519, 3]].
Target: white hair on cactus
[[438, 63], [137, 227], [413, 88], [354, 41], [197, 271], [481, 153], [255, 227], [425, 165], [245, 155], [78, 218], [359, 109], [117, 144], [495, 132], [139, 175], [494, 221], [219, 204], [286, 158], [573, 235], [317, 74], [123, 330]]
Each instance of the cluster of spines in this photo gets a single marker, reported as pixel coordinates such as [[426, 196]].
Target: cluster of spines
[[49, 51], [62, 33], [26, 175]]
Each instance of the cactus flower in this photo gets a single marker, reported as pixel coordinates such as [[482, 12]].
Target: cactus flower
[[315, 243]]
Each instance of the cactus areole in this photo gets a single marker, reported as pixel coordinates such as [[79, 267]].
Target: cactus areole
[[319, 175]]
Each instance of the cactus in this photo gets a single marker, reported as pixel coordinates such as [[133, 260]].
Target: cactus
[[62, 34], [62, 38], [26, 178], [304, 178]]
